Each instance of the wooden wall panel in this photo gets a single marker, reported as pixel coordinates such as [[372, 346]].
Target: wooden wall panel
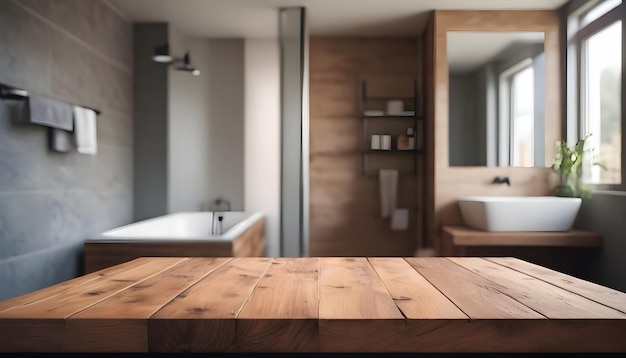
[[345, 205]]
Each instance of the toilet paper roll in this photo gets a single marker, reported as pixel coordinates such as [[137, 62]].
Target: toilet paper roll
[[385, 142], [375, 141], [400, 219]]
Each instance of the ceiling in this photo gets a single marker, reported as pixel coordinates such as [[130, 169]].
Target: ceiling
[[259, 18]]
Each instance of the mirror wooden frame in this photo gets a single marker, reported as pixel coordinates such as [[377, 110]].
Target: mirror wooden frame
[[444, 184], [484, 21]]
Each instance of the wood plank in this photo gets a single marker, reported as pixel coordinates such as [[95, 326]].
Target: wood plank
[[119, 324], [598, 293], [543, 297], [474, 295], [354, 303], [499, 323], [512, 336], [463, 236], [560, 306], [281, 313], [50, 291], [412, 293], [39, 326], [202, 318]]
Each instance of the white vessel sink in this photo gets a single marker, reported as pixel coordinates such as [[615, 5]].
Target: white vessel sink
[[519, 213]]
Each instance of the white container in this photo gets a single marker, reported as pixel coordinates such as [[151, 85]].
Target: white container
[[375, 141], [385, 142], [395, 107]]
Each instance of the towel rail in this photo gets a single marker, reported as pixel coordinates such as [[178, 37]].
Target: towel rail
[[9, 92]]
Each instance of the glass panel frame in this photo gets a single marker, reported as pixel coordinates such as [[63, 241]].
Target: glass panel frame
[[576, 69]]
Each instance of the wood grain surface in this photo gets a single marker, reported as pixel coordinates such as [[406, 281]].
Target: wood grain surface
[[327, 304], [463, 236], [199, 322], [345, 209], [281, 314]]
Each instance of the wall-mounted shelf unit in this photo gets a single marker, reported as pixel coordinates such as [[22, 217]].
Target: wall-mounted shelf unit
[[384, 113]]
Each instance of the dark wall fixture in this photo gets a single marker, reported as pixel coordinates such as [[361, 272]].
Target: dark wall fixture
[[162, 55]]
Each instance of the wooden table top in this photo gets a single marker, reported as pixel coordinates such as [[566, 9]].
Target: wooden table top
[[330, 304]]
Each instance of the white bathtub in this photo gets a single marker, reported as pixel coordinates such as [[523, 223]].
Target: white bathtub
[[183, 226], [187, 234]]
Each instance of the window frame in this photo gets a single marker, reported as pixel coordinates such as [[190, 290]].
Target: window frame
[[506, 104], [575, 107]]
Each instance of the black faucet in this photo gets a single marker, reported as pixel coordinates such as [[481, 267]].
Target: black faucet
[[501, 180], [220, 201]]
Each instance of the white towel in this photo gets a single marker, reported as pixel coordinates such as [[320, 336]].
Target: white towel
[[400, 219], [388, 187], [85, 130]]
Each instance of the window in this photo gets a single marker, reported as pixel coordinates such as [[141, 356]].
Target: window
[[517, 117], [601, 74], [595, 42]]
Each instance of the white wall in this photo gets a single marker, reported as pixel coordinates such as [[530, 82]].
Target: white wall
[[205, 124], [189, 106], [262, 135], [226, 126]]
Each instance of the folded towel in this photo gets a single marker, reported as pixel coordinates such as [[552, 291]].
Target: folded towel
[[388, 187], [85, 130], [400, 219], [60, 140], [50, 112]]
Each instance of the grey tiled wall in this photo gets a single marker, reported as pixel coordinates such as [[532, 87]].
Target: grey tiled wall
[[81, 52]]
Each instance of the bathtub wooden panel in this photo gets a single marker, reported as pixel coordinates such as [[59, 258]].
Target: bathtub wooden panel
[[105, 254], [100, 255], [252, 242]]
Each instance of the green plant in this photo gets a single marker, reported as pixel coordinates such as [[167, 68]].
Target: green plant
[[568, 162]]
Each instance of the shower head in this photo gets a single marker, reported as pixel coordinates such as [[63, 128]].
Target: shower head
[[162, 55], [186, 66]]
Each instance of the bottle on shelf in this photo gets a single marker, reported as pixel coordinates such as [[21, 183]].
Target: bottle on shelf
[[375, 142], [411, 135], [406, 141], [385, 142]]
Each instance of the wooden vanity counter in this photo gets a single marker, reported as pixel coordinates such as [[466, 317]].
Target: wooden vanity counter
[[464, 236], [330, 304]]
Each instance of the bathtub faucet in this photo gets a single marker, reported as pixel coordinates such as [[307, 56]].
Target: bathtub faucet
[[215, 205], [220, 201]]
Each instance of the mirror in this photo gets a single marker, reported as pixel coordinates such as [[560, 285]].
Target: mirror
[[496, 98]]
